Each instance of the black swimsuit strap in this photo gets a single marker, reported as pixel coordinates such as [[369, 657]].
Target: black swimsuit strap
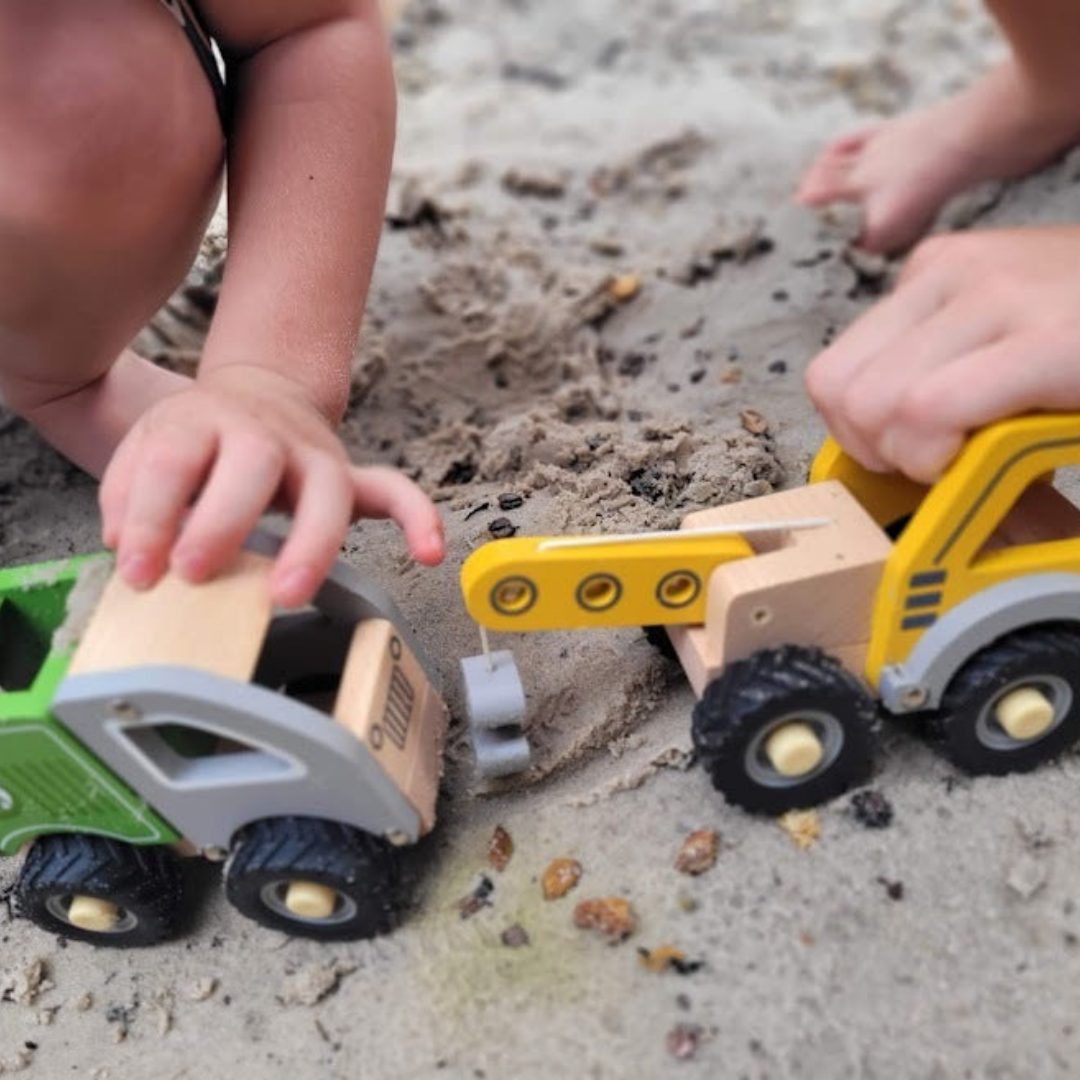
[[188, 17]]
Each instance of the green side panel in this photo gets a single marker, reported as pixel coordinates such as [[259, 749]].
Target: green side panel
[[49, 782]]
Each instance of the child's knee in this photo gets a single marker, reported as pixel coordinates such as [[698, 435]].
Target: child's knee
[[105, 116]]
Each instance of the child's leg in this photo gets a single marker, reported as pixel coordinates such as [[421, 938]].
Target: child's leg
[[1010, 122], [110, 161]]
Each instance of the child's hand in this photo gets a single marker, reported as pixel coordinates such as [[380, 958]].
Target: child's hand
[[196, 472], [980, 326]]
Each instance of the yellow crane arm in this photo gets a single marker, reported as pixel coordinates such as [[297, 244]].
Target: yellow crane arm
[[564, 583]]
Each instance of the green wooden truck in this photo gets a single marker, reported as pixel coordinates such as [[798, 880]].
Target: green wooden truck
[[301, 748]]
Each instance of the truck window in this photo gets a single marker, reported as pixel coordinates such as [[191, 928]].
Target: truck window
[[23, 648]]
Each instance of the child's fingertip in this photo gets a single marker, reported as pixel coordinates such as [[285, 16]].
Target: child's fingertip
[[293, 586], [137, 569]]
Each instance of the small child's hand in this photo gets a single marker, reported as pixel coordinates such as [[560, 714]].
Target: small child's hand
[[195, 473], [980, 326]]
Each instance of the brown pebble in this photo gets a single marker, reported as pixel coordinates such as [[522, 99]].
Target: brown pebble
[[624, 287], [500, 848], [515, 937], [560, 877], [698, 852], [754, 422], [802, 826], [610, 915], [731, 374], [683, 1041]]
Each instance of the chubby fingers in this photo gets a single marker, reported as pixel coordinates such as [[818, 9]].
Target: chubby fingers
[[246, 474], [146, 492], [857, 354], [381, 492], [1011, 375], [332, 494]]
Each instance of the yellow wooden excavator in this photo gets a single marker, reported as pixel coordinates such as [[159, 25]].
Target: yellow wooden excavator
[[800, 616]]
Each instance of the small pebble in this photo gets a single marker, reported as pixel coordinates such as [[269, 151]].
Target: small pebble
[[502, 528], [778, 367], [754, 422], [683, 1041], [515, 937], [478, 899], [500, 848], [612, 916], [511, 500], [560, 877], [698, 852], [803, 826], [871, 809]]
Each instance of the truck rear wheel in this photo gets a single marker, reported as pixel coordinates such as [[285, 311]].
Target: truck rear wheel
[[314, 878], [1015, 704], [99, 890], [785, 729]]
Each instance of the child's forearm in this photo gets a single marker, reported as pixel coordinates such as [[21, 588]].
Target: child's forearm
[[309, 162], [1043, 35]]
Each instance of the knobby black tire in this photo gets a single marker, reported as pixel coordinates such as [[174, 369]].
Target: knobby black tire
[[1054, 650], [143, 881], [751, 694], [361, 867]]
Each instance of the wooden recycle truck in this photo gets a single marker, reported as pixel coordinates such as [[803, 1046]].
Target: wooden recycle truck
[[799, 616], [301, 747]]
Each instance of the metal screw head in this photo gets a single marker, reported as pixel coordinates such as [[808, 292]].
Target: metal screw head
[[761, 616], [123, 709]]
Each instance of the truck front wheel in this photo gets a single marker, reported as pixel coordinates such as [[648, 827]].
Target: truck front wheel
[[785, 729], [99, 890], [314, 878]]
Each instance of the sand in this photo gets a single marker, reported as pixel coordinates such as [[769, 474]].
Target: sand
[[546, 150]]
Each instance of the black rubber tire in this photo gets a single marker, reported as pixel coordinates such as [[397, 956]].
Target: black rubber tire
[[1054, 651], [144, 882], [751, 696], [657, 637], [363, 869]]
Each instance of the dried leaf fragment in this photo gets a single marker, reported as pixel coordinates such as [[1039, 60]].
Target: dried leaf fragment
[[698, 852], [560, 877], [500, 848], [803, 826], [667, 958], [612, 916]]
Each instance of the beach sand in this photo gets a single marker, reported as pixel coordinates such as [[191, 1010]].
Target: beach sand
[[544, 151]]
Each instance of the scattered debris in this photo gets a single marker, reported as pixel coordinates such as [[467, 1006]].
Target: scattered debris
[[894, 890], [84, 1002], [610, 915], [20, 1061], [803, 826], [560, 877], [667, 958], [1027, 876], [731, 374], [683, 1041], [202, 989], [737, 244], [687, 902], [24, 985], [624, 287], [871, 809], [535, 183], [311, 984], [515, 937], [502, 528], [698, 852], [544, 77], [478, 899], [754, 422], [500, 848]]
